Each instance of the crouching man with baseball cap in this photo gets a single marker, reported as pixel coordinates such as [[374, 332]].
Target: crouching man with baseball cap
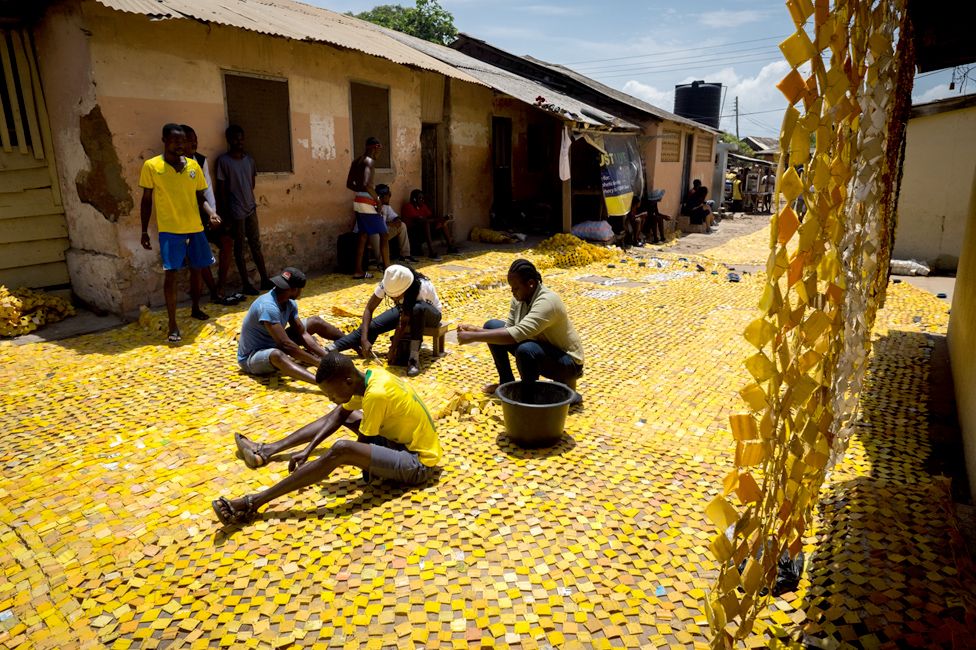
[[274, 339]]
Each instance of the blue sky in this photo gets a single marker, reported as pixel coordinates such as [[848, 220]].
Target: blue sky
[[645, 48]]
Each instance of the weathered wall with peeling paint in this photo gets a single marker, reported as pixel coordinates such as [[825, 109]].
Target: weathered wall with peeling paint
[[468, 155], [138, 74]]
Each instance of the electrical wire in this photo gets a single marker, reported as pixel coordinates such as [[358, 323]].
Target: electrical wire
[[690, 68], [705, 47], [670, 60]]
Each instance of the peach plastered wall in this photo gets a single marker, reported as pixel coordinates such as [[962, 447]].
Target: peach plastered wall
[[141, 74], [667, 175], [468, 168]]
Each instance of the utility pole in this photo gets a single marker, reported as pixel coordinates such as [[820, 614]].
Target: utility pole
[[737, 117]]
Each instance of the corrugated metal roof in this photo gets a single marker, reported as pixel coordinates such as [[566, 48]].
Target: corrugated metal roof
[[294, 20], [621, 96], [520, 88]]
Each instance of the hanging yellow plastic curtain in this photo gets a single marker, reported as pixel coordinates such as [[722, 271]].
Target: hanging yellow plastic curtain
[[848, 90]]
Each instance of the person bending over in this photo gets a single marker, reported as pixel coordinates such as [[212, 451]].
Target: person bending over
[[415, 306], [538, 333], [396, 438], [273, 337]]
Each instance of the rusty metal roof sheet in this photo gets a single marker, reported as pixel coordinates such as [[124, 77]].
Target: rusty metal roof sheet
[[513, 85], [621, 96], [294, 20]]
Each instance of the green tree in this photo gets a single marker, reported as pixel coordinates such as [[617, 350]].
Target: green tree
[[427, 20], [741, 147]]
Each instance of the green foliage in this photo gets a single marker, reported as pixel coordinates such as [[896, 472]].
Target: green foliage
[[741, 147], [427, 20]]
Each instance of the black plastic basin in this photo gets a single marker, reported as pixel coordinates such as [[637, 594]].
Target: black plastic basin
[[535, 412]]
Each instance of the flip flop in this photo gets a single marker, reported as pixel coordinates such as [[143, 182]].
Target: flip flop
[[364, 276], [253, 458], [200, 315], [228, 516], [225, 300], [174, 337]]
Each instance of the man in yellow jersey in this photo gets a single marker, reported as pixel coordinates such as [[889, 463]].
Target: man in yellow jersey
[[396, 437], [173, 186]]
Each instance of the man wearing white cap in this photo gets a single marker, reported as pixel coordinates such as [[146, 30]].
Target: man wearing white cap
[[416, 306]]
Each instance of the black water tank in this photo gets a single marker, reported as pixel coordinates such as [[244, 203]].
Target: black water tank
[[699, 101]]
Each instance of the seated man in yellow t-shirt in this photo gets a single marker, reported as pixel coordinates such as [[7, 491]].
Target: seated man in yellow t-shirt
[[396, 437]]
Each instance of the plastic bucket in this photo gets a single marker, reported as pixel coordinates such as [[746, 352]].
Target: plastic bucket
[[536, 418]]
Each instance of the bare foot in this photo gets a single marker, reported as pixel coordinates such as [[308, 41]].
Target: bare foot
[[489, 389]]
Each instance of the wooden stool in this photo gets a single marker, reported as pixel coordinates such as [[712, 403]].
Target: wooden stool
[[437, 333]]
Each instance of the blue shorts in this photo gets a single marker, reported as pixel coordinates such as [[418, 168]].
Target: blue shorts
[[393, 461], [371, 224], [177, 249]]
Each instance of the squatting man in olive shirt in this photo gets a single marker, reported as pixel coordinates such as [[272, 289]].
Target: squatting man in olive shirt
[[538, 333]]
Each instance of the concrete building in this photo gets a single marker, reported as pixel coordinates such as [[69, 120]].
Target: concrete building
[[97, 79], [307, 91], [675, 150], [936, 185]]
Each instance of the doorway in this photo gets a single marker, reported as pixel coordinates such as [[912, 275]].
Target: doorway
[[686, 167], [501, 148], [429, 167]]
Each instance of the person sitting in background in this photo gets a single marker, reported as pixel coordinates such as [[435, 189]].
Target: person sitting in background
[[395, 227], [421, 222], [416, 306], [695, 206], [273, 337]]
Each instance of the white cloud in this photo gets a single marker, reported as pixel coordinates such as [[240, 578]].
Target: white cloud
[[551, 10], [940, 91], [724, 19], [660, 98]]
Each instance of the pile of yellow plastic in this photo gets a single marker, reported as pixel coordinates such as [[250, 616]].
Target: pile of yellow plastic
[[490, 236], [565, 250], [22, 311]]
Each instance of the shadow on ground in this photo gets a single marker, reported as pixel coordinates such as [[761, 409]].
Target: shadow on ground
[[890, 568]]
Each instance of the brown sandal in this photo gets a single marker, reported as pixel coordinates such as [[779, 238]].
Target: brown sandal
[[253, 458], [228, 516]]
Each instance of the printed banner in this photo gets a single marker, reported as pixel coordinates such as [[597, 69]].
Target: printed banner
[[621, 172]]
